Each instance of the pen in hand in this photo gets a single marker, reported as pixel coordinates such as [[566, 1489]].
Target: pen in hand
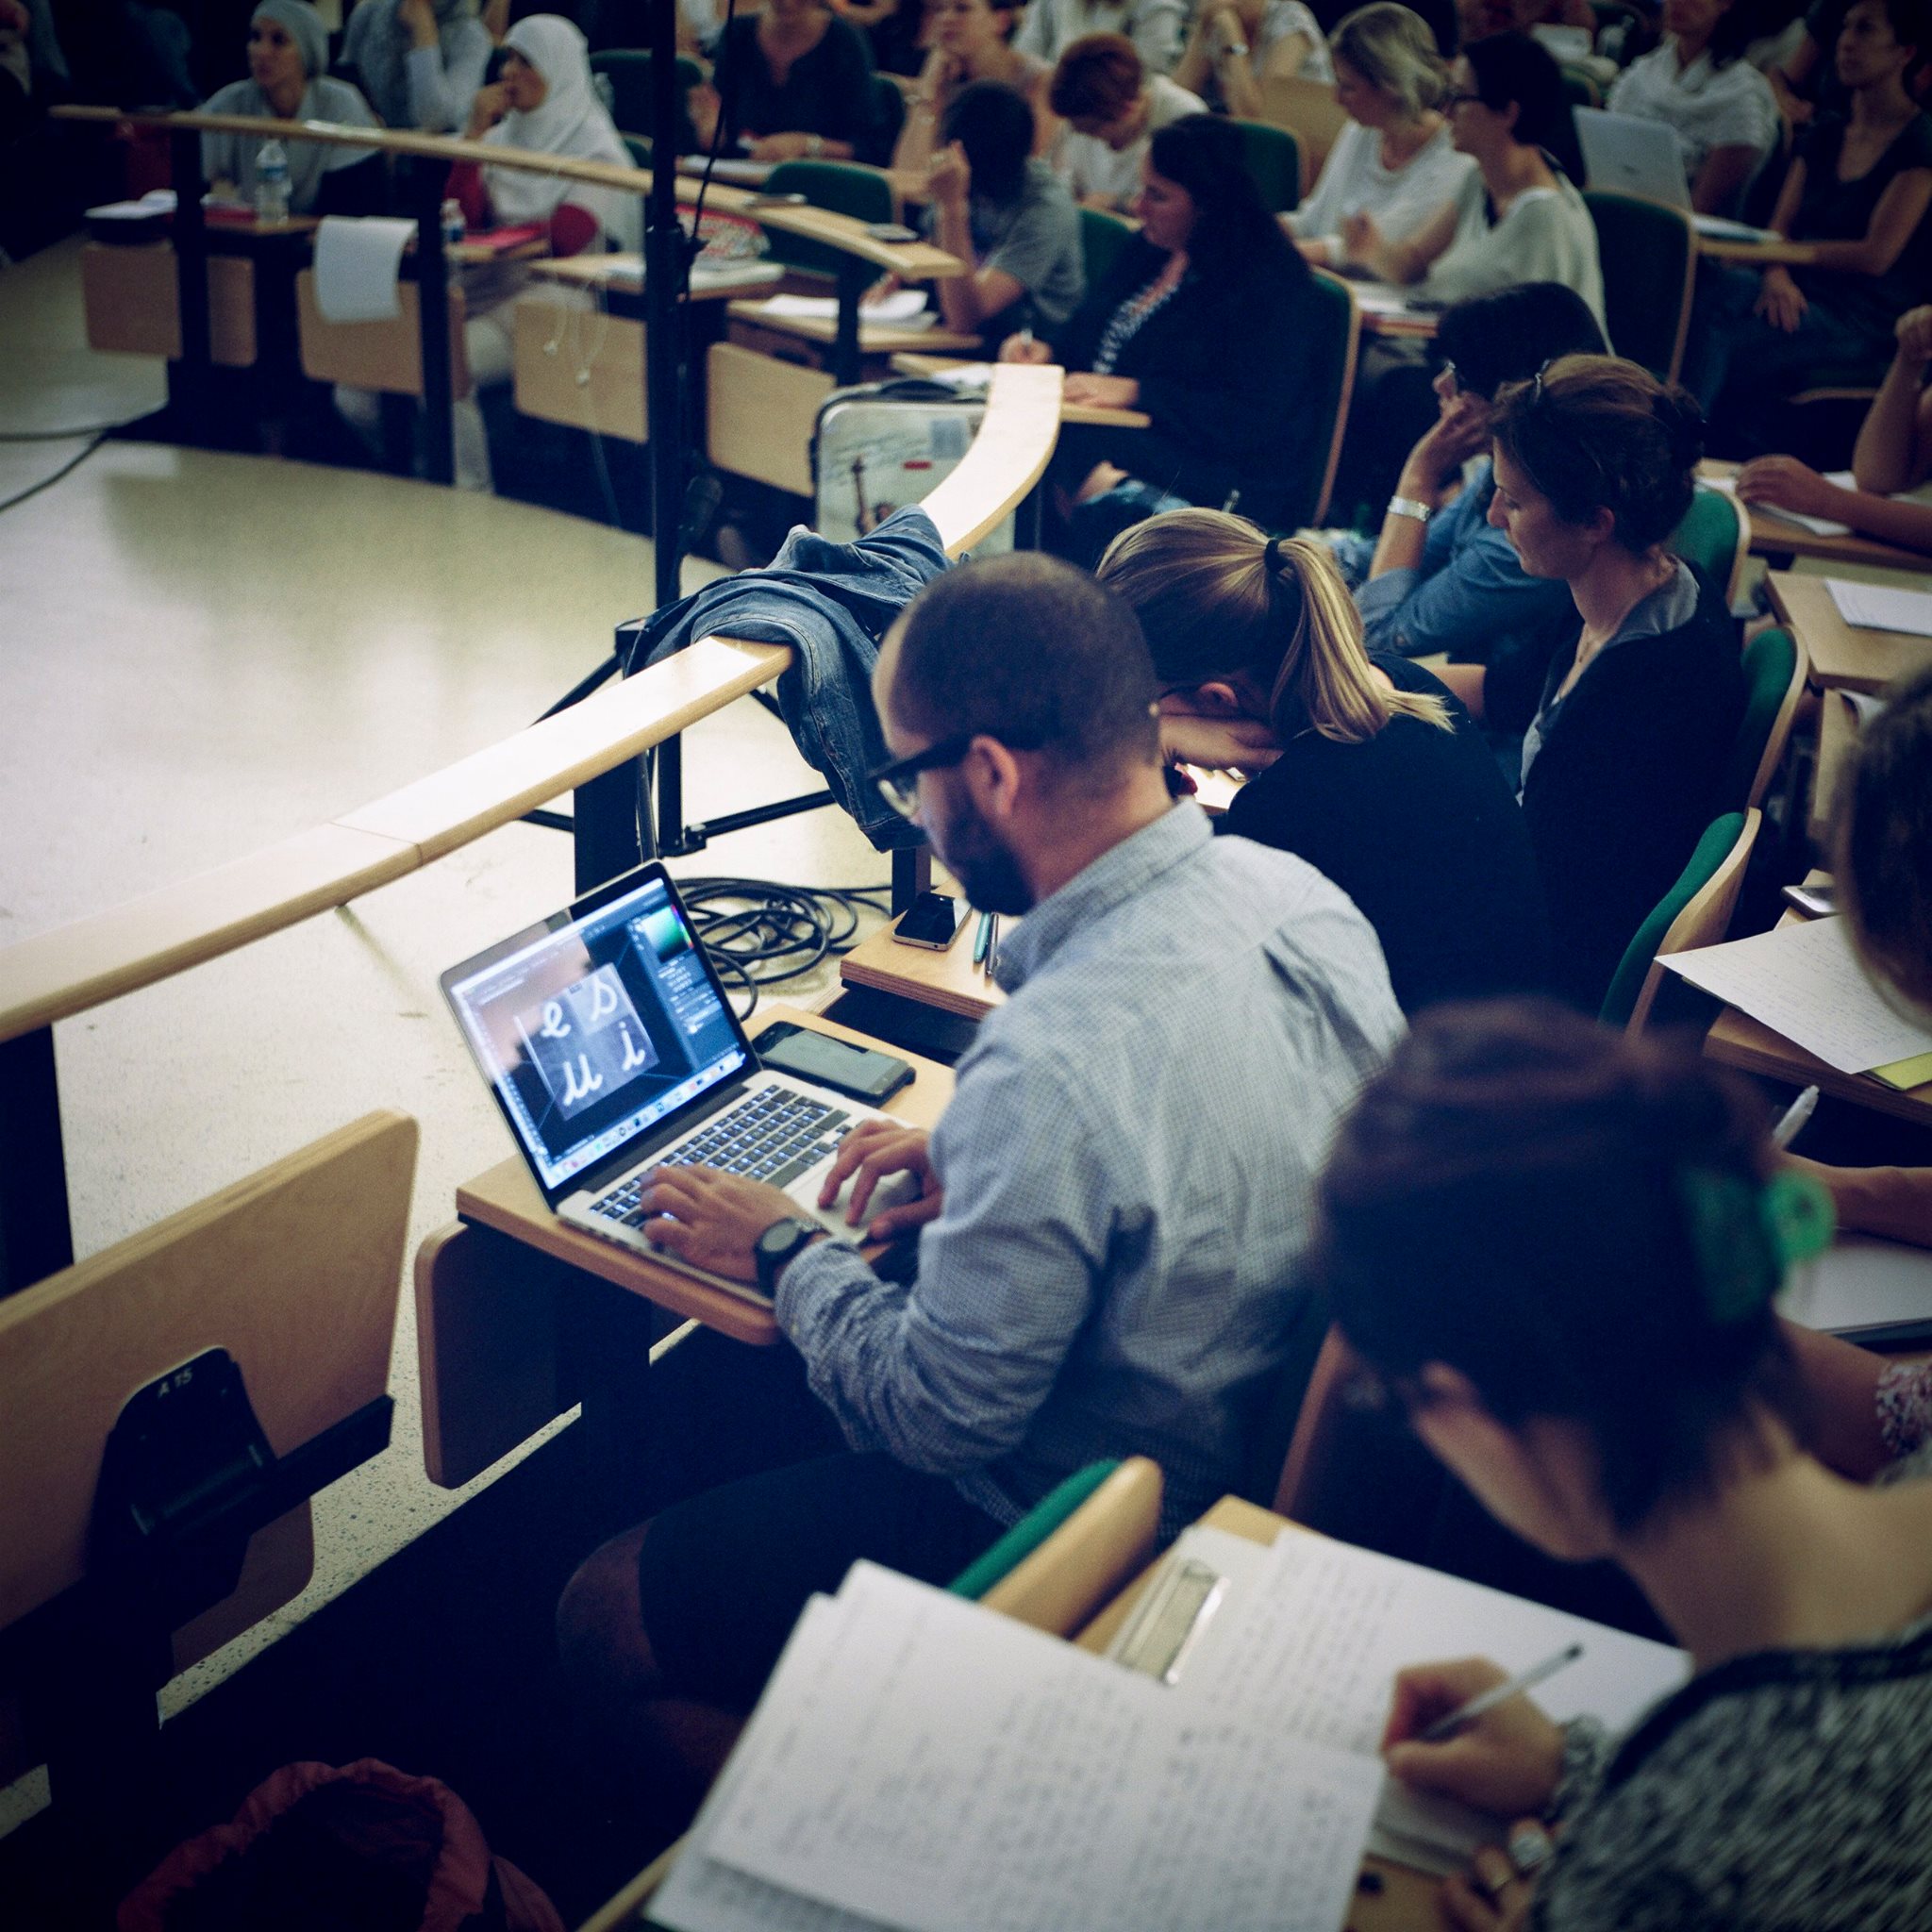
[[1447, 1725], [1795, 1115]]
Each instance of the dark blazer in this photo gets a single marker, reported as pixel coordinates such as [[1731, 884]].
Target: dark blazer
[[1627, 781], [1219, 373]]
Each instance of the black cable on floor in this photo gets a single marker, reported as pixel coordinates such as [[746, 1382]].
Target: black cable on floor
[[759, 933], [66, 469]]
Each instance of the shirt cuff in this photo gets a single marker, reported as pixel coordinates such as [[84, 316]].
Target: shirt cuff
[[814, 1279]]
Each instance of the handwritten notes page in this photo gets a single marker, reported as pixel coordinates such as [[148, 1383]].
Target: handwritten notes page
[[920, 1762], [1878, 606], [1316, 1641], [1804, 981]]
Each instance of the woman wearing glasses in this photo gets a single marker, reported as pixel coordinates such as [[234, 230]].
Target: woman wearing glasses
[[1558, 1246], [1627, 733], [1365, 767], [1518, 217]]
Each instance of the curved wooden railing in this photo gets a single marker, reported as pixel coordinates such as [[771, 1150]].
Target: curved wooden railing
[[58, 974], [914, 261]]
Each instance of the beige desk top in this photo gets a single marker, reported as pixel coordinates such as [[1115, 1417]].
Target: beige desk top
[[1771, 535], [948, 980], [875, 339], [1842, 658], [506, 1199], [625, 273], [912, 363], [1405, 1900], [1736, 1040]]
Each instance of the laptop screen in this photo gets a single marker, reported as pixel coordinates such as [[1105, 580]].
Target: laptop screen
[[598, 1024]]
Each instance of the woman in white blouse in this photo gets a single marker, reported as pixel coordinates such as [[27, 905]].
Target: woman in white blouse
[[1236, 47], [1700, 83], [1394, 162], [1520, 218]]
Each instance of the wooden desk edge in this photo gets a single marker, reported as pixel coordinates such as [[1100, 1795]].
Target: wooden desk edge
[[506, 1199]]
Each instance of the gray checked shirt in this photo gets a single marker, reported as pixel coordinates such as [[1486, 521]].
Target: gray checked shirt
[[1129, 1164]]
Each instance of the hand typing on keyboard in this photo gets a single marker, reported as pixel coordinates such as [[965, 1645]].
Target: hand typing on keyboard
[[870, 1153], [710, 1218]]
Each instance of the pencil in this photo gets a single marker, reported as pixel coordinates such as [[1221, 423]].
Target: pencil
[[1446, 1727]]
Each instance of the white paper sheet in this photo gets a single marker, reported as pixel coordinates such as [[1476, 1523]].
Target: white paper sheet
[[1878, 606], [1769, 512], [1859, 1283], [1315, 1643], [931, 1765], [356, 265], [1805, 982], [902, 309]]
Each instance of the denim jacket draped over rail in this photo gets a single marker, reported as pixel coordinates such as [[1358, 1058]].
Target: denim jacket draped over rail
[[832, 603]]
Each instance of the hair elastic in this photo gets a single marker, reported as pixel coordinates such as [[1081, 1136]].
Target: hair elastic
[[1270, 556], [1745, 1237]]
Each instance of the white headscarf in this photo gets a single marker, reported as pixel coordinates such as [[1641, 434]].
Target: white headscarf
[[571, 123]]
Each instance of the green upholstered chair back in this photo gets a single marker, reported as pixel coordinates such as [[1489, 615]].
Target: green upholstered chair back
[[1580, 88], [1719, 846], [1771, 669], [1329, 347], [862, 192], [1710, 537], [1649, 257], [626, 74], [1102, 238], [1274, 160]]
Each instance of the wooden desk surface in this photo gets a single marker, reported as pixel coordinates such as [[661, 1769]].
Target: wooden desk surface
[[873, 338], [1736, 1040], [506, 1199], [1771, 536], [948, 980], [1405, 1900], [1843, 657], [912, 363]]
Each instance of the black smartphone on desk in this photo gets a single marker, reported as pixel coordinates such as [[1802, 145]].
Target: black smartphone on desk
[[931, 921], [832, 1062]]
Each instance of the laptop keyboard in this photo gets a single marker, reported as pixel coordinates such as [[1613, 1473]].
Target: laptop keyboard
[[775, 1135]]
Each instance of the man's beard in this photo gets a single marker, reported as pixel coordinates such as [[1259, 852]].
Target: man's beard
[[975, 856]]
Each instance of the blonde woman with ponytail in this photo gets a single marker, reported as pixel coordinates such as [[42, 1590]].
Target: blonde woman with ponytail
[[1364, 765]]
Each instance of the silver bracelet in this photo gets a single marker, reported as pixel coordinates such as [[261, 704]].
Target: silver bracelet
[[1411, 507]]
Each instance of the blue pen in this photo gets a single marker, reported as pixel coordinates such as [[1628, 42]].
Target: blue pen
[[982, 938]]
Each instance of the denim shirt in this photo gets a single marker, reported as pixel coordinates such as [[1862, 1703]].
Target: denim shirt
[[1469, 594], [1128, 1166], [832, 603]]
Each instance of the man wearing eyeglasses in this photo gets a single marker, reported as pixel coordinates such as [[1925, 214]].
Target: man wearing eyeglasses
[[1110, 1210]]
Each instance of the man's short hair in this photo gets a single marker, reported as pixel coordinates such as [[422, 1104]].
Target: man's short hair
[[1031, 651], [1508, 335]]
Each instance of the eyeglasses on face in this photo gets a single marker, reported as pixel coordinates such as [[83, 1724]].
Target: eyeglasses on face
[[898, 781]]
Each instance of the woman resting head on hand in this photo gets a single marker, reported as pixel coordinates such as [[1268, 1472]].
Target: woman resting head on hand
[[1556, 1247]]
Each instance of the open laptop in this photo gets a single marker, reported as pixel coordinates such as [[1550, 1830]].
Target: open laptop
[[611, 1048], [1630, 155]]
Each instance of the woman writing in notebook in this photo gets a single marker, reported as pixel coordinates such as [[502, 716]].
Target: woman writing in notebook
[[1893, 454], [1557, 1248], [1366, 767]]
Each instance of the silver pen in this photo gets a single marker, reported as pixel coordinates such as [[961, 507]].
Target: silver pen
[[1795, 1115], [1445, 1728]]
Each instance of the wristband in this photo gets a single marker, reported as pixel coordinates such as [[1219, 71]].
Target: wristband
[[814, 146], [1411, 507], [1234, 47]]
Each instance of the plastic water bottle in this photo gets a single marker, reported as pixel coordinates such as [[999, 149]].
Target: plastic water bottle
[[453, 226], [271, 183]]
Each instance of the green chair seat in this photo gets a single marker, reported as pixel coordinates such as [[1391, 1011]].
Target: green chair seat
[[1102, 238]]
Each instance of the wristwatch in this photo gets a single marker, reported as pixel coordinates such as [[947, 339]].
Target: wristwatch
[[1411, 507], [778, 1245], [1228, 47]]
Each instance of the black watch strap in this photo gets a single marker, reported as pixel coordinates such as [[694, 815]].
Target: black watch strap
[[778, 1245]]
